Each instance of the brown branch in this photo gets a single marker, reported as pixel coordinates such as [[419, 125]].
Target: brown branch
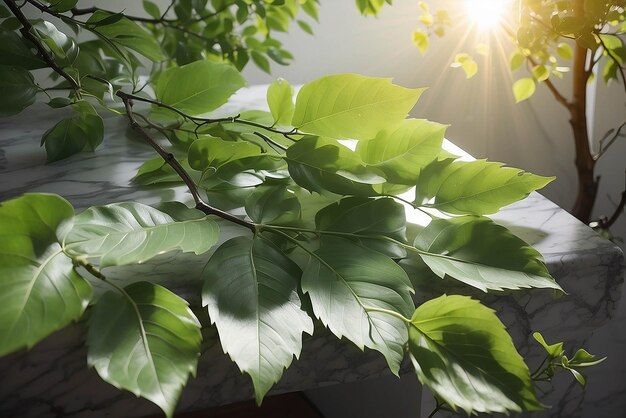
[[26, 31], [607, 223], [178, 168], [616, 135], [162, 20]]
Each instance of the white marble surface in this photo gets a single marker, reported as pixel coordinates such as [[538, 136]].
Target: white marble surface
[[52, 379]]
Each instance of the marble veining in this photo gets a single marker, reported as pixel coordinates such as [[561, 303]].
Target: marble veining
[[52, 379]]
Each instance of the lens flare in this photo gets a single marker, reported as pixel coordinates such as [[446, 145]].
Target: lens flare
[[486, 14]]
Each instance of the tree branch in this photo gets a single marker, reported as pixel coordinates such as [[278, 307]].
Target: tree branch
[[26, 31], [555, 92], [606, 223], [614, 137], [171, 160]]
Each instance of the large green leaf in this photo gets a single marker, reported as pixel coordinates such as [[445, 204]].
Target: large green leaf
[[63, 47], [126, 33], [273, 204], [462, 352], [18, 90], [280, 101], [199, 87], [212, 153], [319, 164], [251, 292], [144, 339], [476, 187], [343, 280], [370, 217], [483, 254], [39, 290], [126, 233], [402, 152], [352, 106]]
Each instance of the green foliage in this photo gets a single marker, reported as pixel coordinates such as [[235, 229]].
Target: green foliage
[[461, 350], [40, 292], [324, 229], [144, 339], [251, 293]]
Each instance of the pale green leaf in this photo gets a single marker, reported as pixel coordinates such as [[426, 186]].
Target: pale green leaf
[[462, 352], [145, 340], [516, 60], [554, 350], [421, 40], [251, 292], [199, 87], [352, 106], [477, 187], [400, 153], [565, 51], [127, 233], [18, 90], [343, 280], [280, 101], [482, 49], [523, 89], [467, 63], [483, 254], [126, 33], [319, 164], [40, 292], [541, 72]]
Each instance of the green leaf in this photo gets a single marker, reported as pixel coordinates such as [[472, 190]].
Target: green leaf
[[516, 60], [155, 171], [127, 233], [478, 187], [541, 72], [62, 46], [146, 340], [462, 352], [400, 153], [467, 63], [352, 106], [582, 358], [18, 90], [554, 350], [40, 292], [15, 52], [210, 154], [61, 5], [251, 292], [260, 61], [343, 280], [370, 217], [305, 26], [421, 40], [199, 87], [483, 254], [273, 204], [64, 139], [91, 123], [319, 164], [125, 33], [565, 51], [152, 9], [523, 89], [280, 101]]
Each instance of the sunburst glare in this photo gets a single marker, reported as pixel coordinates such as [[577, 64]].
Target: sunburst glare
[[486, 14]]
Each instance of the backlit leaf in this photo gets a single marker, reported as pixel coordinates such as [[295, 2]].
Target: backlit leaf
[[523, 89], [477, 187], [352, 106], [421, 40], [280, 101], [483, 254], [360, 278], [462, 352], [199, 87], [126, 233], [400, 153], [251, 292], [145, 340], [40, 292]]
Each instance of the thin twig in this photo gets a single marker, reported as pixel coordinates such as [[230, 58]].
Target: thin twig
[[178, 168], [607, 223], [616, 135], [26, 31]]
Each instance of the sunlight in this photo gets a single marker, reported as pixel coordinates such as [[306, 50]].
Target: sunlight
[[486, 14]]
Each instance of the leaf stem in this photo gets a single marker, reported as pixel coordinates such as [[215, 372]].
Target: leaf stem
[[178, 168], [388, 312]]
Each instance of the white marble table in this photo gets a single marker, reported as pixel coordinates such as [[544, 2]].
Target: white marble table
[[52, 380]]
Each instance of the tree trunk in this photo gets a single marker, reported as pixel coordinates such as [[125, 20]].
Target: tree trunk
[[585, 161]]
